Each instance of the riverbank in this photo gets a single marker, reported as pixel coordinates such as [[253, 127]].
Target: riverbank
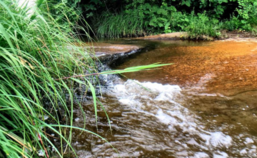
[[185, 36]]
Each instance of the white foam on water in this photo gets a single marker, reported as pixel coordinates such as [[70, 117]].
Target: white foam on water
[[160, 101], [219, 139], [248, 141], [201, 155], [220, 155], [243, 152], [166, 119], [133, 92]]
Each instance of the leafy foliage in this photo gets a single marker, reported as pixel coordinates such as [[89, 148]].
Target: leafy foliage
[[173, 15]]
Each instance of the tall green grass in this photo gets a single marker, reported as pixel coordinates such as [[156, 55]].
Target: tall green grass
[[111, 25], [35, 51], [201, 24]]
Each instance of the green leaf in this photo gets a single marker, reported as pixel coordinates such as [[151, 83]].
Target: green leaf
[[155, 8], [153, 21], [186, 2], [141, 14], [161, 11], [167, 25], [164, 20], [147, 6], [243, 21], [160, 24]]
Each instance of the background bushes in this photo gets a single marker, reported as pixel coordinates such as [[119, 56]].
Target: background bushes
[[154, 16]]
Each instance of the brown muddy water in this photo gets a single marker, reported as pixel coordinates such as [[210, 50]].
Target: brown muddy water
[[204, 105]]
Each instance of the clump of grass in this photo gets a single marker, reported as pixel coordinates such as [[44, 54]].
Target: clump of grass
[[201, 24], [33, 53], [111, 25]]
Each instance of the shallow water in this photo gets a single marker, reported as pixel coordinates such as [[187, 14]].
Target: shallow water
[[204, 105]]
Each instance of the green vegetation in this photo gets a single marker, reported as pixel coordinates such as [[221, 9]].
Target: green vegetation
[[109, 25], [118, 18], [34, 52]]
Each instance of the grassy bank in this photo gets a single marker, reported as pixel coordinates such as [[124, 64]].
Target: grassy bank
[[34, 59]]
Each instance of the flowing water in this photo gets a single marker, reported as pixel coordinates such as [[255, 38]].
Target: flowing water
[[204, 105]]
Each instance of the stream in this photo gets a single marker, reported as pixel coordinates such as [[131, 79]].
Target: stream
[[204, 105]]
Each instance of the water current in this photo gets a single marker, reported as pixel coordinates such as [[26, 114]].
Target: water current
[[202, 106]]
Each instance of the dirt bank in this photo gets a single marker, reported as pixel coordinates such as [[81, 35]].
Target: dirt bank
[[168, 36], [184, 35]]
